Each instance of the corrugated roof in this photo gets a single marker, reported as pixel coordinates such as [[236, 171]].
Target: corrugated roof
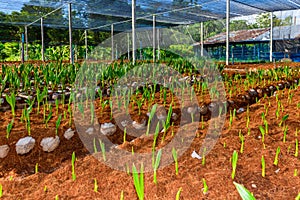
[[279, 33], [237, 36]]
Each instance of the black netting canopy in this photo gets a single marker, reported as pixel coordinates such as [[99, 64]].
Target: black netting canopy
[[99, 14]]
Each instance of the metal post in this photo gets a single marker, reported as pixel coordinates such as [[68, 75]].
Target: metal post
[[243, 49], [86, 44], [42, 37], [154, 38], [116, 54], [70, 34], [254, 52], [22, 48], [128, 46], [271, 37], [133, 32], [26, 45], [112, 42], [201, 39], [227, 30], [158, 43]]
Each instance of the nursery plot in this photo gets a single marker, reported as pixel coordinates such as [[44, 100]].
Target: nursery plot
[[262, 116]]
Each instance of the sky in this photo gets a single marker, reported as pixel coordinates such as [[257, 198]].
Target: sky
[[5, 5]]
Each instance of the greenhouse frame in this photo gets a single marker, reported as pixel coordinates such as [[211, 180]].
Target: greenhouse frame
[[152, 14]]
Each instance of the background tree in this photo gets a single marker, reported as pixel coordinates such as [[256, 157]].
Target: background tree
[[263, 21]]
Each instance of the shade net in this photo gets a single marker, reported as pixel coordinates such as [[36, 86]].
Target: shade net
[[89, 14], [173, 15]]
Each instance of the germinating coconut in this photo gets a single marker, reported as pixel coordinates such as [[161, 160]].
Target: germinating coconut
[[108, 128], [50, 143], [4, 149], [24, 145]]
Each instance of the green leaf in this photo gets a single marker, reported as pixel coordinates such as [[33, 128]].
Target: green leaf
[[1, 191], [138, 182], [285, 117], [178, 194], [234, 163], [152, 111], [244, 193], [157, 161], [298, 197], [262, 130]]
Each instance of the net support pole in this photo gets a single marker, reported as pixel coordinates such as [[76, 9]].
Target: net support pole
[[128, 46], [70, 34], [42, 38], [86, 43], [112, 41], [227, 30], [154, 38], [201, 39], [158, 45], [26, 43], [271, 36], [22, 48], [133, 31]]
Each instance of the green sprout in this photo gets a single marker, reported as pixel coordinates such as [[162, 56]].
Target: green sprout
[[138, 181], [263, 167], [73, 166], [12, 102], [174, 153], [276, 156], [205, 187], [95, 185], [152, 112], [243, 192], [8, 128], [234, 163], [156, 165], [178, 193]]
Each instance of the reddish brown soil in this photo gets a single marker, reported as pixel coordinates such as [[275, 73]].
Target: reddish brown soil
[[20, 182], [243, 68], [262, 65]]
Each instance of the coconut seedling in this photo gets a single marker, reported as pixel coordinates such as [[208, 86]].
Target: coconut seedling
[[103, 151], [151, 115], [174, 153], [242, 139], [9, 127], [283, 120], [156, 165], [57, 124], [284, 133], [263, 167], [138, 181], [1, 191], [73, 166], [36, 168], [95, 185], [178, 193], [296, 148], [276, 156], [205, 187], [11, 100], [263, 132], [234, 160], [243, 192], [49, 116]]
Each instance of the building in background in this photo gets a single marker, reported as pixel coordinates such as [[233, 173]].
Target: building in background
[[253, 45]]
